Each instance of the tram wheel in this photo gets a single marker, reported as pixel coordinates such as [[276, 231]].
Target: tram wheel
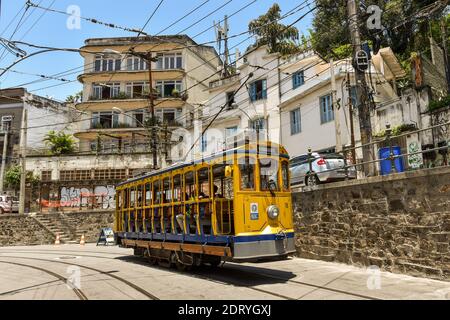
[[214, 262]]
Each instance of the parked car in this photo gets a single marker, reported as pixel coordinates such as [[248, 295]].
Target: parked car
[[8, 204], [321, 163]]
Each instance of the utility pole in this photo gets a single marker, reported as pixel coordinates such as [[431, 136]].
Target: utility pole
[[5, 151], [337, 119], [152, 110], [23, 159], [148, 57], [352, 127], [445, 49], [222, 35], [361, 88]]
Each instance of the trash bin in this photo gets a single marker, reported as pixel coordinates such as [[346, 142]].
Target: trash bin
[[386, 165]]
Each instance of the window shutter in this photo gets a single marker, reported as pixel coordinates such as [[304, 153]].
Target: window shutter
[[264, 87], [253, 92]]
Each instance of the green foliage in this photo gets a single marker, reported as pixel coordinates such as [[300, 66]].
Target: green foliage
[[12, 177], [277, 36], [396, 131], [78, 97], [330, 27], [59, 143], [444, 102], [121, 96]]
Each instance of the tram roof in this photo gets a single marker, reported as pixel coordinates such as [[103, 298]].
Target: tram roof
[[240, 149]]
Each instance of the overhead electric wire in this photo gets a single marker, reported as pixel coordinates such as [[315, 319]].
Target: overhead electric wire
[[209, 14], [91, 20], [290, 12], [240, 57], [184, 17]]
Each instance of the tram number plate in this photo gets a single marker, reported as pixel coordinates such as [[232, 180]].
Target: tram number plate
[[254, 211]]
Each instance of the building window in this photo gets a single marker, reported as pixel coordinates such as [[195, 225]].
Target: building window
[[110, 174], [137, 90], [258, 124], [106, 91], [295, 121], [46, 176], [169, 61], [168, 89], [136, 64], [258, 90], [103, 64], [298, 79], [168, 116], [105, 120], [204, 142], [230, 100], [231, 131], [326, 109], [75, 175]]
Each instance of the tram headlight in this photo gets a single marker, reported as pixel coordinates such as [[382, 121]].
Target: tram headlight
[[273, 212]]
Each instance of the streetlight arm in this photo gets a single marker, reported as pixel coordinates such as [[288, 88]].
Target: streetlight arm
[[24, 58]]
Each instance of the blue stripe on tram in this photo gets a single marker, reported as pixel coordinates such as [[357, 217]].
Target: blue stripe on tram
[[205, 239]]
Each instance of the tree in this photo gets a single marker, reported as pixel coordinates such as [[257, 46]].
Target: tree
[[59, 143], [75, 98], [12, 177], [277, 36], [400, 32]]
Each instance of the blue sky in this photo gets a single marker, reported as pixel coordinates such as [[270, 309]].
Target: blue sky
[[48, 28]]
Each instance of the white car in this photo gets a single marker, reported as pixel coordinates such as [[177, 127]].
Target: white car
[[325, 167], [8, 204]]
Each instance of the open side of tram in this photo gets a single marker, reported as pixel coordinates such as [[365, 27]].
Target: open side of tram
[[233, 206]]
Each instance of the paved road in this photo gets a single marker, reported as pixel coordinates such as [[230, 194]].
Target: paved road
[[42, 272]]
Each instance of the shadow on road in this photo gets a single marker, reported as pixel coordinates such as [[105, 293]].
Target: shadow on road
[[231, 273]]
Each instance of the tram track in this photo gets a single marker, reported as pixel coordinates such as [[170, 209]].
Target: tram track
[[125, 281], [80, 294], [231, 279]]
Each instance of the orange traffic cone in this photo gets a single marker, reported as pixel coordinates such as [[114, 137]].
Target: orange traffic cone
[[82, 241], [57, 240]]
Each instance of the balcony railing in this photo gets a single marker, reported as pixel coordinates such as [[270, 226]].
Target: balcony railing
[[124, 96], [222, 82]]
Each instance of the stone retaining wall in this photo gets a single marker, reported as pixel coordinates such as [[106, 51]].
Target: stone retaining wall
[[400, 222], [91, 223], [22, 231], [18, 230]]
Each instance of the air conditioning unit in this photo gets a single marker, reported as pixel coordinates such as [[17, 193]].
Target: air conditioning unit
[[7, 118]]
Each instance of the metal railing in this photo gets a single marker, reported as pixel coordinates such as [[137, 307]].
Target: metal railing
[[441, 147]]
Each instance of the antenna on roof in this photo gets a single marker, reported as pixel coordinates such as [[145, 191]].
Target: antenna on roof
[[222, 35]]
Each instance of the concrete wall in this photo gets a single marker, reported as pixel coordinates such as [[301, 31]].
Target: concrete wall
[[400, 223]]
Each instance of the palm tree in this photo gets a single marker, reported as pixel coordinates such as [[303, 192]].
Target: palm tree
[[277, 36]]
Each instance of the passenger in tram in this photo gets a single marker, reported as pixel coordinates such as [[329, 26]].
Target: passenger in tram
[[216, 192]]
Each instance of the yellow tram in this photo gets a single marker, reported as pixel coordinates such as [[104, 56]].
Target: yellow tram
[[231, 206]]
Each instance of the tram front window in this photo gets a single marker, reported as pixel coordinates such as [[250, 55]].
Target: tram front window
[[269, 174], [247, 170]]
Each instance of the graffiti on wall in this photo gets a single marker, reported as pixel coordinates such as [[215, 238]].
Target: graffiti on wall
[[101, 197], [105, 196]]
